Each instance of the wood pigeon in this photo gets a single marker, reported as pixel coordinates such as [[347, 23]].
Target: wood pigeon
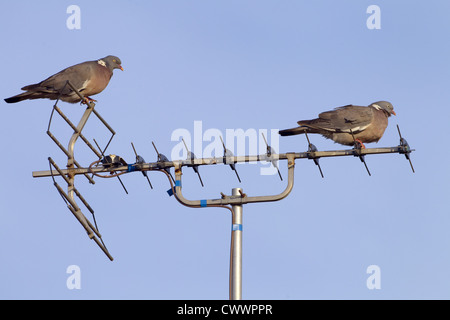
[[348, 124], [89, 78]]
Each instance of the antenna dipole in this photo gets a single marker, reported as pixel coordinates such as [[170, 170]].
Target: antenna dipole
[[358, 146], [270, 152], [140, 160], [407, 151], [227, 158], [162, 159], [312, 149], [191, 156]]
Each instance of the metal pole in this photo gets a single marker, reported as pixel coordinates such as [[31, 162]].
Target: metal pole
[[236, 250], [237, 159]]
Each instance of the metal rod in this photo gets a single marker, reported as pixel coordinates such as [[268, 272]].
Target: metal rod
[[320, 170], [105, 251], [200, 178], [137, 161], [92, 235], [235, 171], [67, 154], [191, 156], [97, 153], [227, 155], [213, 161], [123, 186], [76, 133], [55, 105], [73, 139], [155, 149], [361, 157], [364, 161], [55, 140], [236, 250], [405, 144], [358, 146], [86, 204], [76, 210], [312, 150], [104, 122], [236, 200], [135, 153], [269, 154], [75, 130], [58, 169], [65, 118], [161, 159], [399, 133]]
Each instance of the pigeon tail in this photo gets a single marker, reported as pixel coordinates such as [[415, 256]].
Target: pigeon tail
[[294, 131], [31, 95], [19, 97]]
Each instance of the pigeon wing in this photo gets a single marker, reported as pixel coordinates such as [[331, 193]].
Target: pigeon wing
[[348, 119], [78, 75]]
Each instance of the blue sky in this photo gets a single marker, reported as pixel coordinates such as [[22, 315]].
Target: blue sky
[[231, 65]]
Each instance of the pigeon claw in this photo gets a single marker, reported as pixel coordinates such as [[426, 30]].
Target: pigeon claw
[[359, 144], [87, 100]]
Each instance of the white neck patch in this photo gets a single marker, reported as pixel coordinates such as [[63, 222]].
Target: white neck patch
[[101, 62], [376, 106]]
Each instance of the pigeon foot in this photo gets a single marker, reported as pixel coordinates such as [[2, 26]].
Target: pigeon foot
[[87, 100], [359, 144]]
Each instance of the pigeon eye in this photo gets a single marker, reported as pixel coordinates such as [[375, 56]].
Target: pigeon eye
[[114, 60]]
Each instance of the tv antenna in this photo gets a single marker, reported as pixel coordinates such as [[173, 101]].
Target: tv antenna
[[114, 166]]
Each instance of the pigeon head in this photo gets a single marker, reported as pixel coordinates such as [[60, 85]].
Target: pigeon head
[[112, 62], [384, 106]]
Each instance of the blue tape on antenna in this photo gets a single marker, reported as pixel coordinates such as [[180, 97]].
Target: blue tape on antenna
[[236, 227], [177, 184], [131, 168], [203, 203]]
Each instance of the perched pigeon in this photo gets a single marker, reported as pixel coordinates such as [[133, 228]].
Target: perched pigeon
[[89, 78], [348, 124]]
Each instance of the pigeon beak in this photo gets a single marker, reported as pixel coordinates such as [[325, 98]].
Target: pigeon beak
[[120, 67], [393, 112]]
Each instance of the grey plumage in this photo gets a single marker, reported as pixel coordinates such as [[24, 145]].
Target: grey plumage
[[89, 78], [346, 124]]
